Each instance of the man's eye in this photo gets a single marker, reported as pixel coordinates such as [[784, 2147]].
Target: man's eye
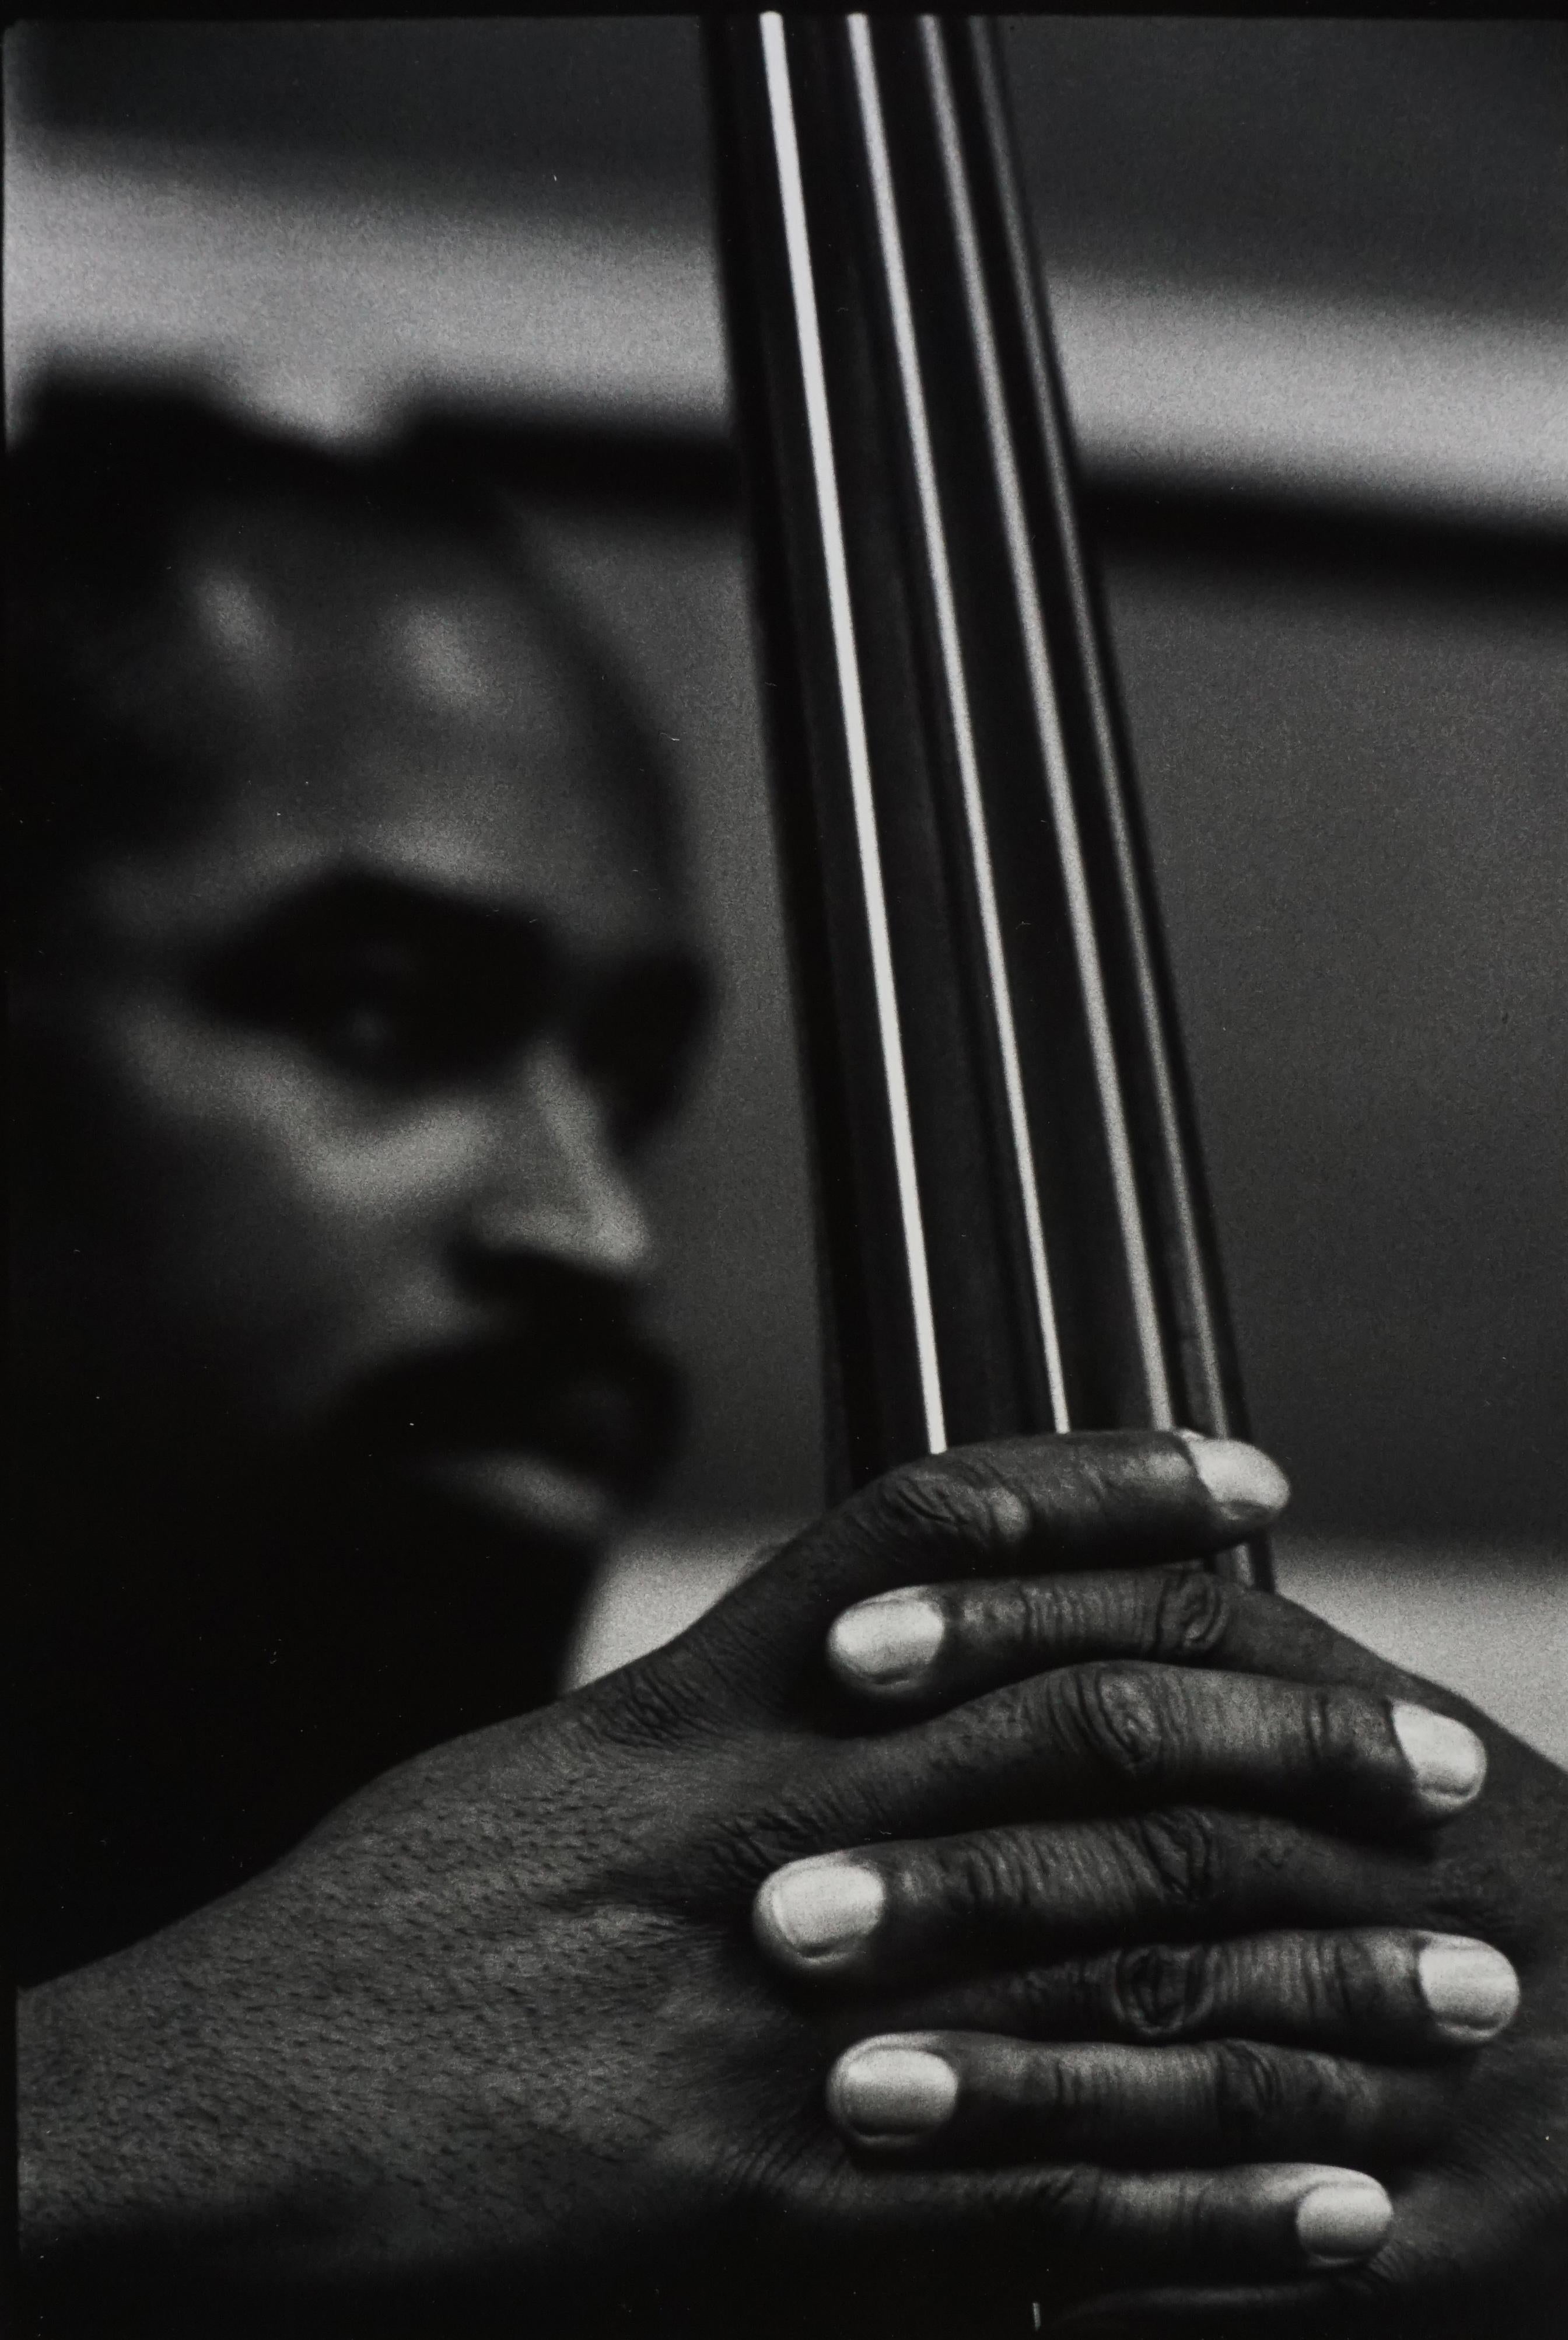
[[381, 1010], [376, 1025], [402, 1016]]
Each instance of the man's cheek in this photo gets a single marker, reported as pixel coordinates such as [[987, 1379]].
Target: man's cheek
[[290, 1233], [253, 1109], [381, 1203]]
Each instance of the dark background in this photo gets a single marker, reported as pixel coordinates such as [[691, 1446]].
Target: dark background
[[1311, 280]]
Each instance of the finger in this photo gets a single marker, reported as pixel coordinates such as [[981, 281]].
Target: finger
[[1116, 1734], [935, 1645], [1256, 2222], [1461, 2261], [958, 2097], [938, 1644], [896, 1913], [1376, 1991], [1093, 1500]]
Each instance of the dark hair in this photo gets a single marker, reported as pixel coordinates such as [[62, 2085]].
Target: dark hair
[[100, 488]]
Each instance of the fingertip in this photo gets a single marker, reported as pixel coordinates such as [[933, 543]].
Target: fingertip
[[887, 1644], [1471, 1991], [813, 1913], [1342, 2218], [891, 2091], [1246, 1487], [1447, 1760]]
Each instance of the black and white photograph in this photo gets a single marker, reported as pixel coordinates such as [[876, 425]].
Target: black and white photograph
[[788, 1371]]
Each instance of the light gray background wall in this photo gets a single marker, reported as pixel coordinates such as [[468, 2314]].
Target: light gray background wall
[[1357, 791]]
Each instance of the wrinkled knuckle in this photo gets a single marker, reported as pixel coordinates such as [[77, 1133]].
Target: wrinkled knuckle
[[1269, 1849], [1182, 1848], [1192, 1616], [1158, 1992], [994, 1873], [1027, 1611], [1074, 2197], [1344, 1981], [650, 1703], [1053, 2001], [1336, 1729], [1248, 2093], [931, 1499], [1114, 1712], [999, 1619], [996, 1516]]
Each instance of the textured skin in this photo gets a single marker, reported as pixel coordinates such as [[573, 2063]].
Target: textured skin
[[1479, 2243], [495, 2045]]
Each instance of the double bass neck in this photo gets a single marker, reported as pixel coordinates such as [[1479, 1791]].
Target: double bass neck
[[1015, 1231]]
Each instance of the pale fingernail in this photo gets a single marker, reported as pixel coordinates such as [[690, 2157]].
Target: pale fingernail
[[1342, 2221], [1447, 1758], [1470, 1987], [815, 1907], [889, 1639], [1244, 1485], [888, 2090]]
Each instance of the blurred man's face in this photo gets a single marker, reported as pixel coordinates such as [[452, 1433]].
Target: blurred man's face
[[344, 1085]]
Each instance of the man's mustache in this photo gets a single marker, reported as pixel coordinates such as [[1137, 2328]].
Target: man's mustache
[[593, 1396]]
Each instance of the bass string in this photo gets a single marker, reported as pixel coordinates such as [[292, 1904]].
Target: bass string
[[1049, 729], [852, 713], [934, 546], [1211, 1394]]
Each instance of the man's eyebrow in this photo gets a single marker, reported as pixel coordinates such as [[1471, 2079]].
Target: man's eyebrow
[[374, 902], [369, 898]]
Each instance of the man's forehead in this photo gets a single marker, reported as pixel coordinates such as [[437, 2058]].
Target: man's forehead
[[279, 590], [292, 606], [387, 699]]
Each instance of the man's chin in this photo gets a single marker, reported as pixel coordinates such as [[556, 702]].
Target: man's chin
[[531, 1497]]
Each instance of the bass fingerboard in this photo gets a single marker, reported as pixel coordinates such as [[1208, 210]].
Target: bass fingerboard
[[1015, 1230]]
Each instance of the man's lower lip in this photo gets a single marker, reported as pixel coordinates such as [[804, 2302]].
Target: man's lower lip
[[528, 1491]]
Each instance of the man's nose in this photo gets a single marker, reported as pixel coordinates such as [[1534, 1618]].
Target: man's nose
[[553, 1187]]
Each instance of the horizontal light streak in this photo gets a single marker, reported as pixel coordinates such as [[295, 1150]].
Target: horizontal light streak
[[340, 307]]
